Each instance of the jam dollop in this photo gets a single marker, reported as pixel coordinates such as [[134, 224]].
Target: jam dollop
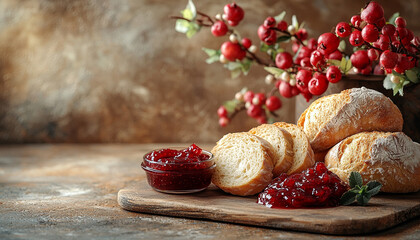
[[313, 187], [179, 171]]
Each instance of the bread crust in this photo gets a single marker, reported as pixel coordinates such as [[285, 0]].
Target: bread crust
[[390, 158], [260, 179], [282, 153], [300, 141], [320, 156], [352, 111]]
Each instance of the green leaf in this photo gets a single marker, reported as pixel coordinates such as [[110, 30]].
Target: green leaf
[[283, 38], [214, 55], [393, 17], [342, 45], [355, 179], [190, 12], [246, 65], [295, 22], [387, 82], [363, 199], [192, 29], [348, 198], [373, 187], [343, 64], [396, 89], [397, 74], [275, 71], [182, 26], [264, 47], [212, 59], [235, 73], [233, 66], [302, 25], [348, 66], [334, 62], [280, 17], [412, 76], [230, 105]]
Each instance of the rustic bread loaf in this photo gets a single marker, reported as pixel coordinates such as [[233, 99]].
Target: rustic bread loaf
[[282, 142], [303, 155], [332, 118], [393, 159], [243, 164]]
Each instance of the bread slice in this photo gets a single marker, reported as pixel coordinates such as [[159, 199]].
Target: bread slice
[[303, 156], [330, 119], [243, 164], [282, 143], [393, 159]]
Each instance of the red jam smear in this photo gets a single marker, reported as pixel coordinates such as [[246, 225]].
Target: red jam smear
[[314, 187], [176, 170]]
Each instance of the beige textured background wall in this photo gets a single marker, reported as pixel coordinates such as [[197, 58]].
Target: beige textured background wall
[[116, 71]]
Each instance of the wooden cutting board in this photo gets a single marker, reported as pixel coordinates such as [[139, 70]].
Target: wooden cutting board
[[384, 210]]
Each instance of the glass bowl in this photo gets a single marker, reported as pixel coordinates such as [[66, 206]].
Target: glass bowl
[[179, 177]]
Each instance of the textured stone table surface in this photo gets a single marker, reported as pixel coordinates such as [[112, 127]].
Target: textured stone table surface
[[69, 191]]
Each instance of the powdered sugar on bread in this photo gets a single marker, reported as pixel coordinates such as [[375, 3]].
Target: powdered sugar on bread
[[396, 147]]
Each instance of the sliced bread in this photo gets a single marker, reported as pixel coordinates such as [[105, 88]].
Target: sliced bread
[[303, 157], [243, 164], [282, 143]]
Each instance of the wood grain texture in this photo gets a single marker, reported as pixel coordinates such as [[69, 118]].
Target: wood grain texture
[[383, 212]]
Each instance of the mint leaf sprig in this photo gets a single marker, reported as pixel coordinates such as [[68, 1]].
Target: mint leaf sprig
[[361, 193]]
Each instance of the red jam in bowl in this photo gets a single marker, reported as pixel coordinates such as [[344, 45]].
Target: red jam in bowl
[[314, 187], [179, 170]]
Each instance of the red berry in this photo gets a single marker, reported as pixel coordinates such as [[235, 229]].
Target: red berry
[[317, 59], [328, 43], [318, 84], [400, 22], [356, 20], [302, 79], [308, 96], [302, 34], [305, 62], [381, 23], [262, 119], [388, 59], [343, 29], [223, 121], [254, 111], [248, 96], [382, 43], [284, 60], [360, 59], [373, 54], [370, 33], [367, 70], [232, 51], [278, 83], [333, 74], [233, 12], [372, 13], [258, 99], [335, 55], [246, 42], [378, 70], [416, 41], [273, 103], [388, 30], [356, 38], [269, 22], [295, 91], [219, 29], [312, 44], [232, 23], [282, 25], [402, 64], [222, 112], [267, 35], [295, 47], [402, 32], [285, 89]]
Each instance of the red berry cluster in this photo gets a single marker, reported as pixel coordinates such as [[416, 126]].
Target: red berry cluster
[[257, 106], [304, 72], [314, 187], [394, 46]]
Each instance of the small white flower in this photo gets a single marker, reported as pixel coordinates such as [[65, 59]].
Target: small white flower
[[269, 79], [253, 49]]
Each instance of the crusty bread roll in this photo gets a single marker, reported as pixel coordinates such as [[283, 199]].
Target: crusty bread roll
[[332, 118], [303, 155], [243, 164], [393, 159], [282, 142]]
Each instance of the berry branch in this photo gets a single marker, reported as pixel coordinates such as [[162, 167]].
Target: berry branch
[[379, 48]]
